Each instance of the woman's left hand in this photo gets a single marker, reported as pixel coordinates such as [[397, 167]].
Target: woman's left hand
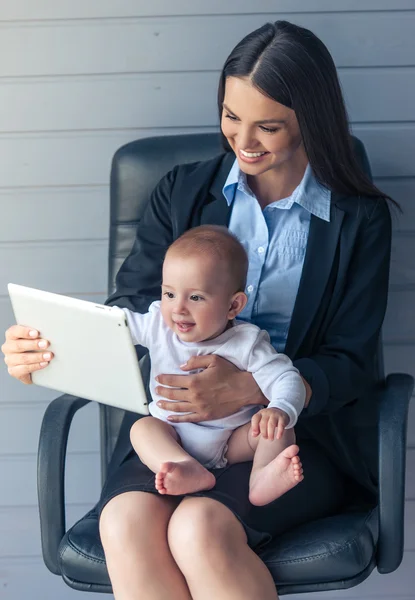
[[220, 390]]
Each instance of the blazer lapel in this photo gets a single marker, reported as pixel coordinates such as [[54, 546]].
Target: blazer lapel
[[215, 210], [321, 249]]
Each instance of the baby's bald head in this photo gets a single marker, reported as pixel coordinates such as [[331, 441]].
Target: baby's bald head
[[219, 245]]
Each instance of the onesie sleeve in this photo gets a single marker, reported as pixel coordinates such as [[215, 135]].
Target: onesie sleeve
[[143, 327], [278, 379]]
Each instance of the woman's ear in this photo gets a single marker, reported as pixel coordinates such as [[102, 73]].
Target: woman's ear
[[238, 303]]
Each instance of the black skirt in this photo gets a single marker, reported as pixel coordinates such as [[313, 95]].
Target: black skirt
[[322, 493]]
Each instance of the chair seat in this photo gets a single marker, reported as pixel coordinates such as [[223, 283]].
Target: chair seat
[[339, 550]]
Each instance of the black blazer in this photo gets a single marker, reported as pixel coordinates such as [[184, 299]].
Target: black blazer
[[337, 315]]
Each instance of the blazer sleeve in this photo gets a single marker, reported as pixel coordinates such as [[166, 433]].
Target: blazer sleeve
[[342, 369], [139, 279]]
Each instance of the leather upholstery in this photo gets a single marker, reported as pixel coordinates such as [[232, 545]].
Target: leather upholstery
[[332, 553], [316, 553]]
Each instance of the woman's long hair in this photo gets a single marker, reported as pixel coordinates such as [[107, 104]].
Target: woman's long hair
[[292, 66]]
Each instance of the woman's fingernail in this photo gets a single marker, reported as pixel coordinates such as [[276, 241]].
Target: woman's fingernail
[[43, 364], [157, 378], [42, 344], [33, 333], [46, 356], [183, 365]]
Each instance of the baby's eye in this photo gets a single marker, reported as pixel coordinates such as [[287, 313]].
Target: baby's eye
[[196, 298], [169, 295]]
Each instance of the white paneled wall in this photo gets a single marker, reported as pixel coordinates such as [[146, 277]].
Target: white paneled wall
[[79, 79]]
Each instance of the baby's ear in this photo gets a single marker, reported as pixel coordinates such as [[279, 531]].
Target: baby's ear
[[238, 303]]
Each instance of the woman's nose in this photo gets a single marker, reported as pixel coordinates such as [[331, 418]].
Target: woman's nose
[[246, 139]]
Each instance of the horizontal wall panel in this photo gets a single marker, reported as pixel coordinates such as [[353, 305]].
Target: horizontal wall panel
[[79, 9], [61, 267], [150, 45], [390, 147], [386, 94], [400, 358], [125, 101], [54, 214], [410, 474], [403, 191], [18, 477], [20, 529], [410, 525], [24, 578], [12, 390], [175, 100], [399, 324], [411, 424], [20, 428], [36, 159], [402, 260]]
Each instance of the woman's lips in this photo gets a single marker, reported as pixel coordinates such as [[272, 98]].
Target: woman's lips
[[252, 159]]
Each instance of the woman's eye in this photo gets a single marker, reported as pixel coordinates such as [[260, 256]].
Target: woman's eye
[[231, 117], [268, 129], [196, 298]]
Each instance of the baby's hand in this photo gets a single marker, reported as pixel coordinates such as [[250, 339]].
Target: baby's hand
[[267, 420]]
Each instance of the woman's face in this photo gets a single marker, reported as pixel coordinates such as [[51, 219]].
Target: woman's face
[[263, 133]]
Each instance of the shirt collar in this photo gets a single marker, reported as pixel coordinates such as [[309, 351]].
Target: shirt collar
[[310, 193]]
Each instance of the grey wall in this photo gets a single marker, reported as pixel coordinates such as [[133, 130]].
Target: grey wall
[[78, 79]]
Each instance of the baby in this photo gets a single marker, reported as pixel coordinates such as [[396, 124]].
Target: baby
[[204, 275]]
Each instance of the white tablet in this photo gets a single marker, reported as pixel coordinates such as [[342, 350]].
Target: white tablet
[[94, 356]]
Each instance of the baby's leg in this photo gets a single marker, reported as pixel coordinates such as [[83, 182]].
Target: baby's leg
[[277, 467], [158, 446], [239, 447]]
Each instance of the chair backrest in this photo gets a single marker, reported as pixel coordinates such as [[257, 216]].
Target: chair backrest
[[136, 169]]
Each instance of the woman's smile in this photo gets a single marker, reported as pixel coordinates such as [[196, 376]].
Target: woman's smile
[[252, 157]]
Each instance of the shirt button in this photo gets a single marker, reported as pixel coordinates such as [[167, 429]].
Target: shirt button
[[249, 288], [261, 250]]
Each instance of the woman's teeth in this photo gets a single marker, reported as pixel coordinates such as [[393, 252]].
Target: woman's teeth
[[252, 154]]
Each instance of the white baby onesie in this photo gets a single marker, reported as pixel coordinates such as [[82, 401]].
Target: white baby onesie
[[247, 347]]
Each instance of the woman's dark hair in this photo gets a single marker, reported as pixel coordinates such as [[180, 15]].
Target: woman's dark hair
[[292, 66]]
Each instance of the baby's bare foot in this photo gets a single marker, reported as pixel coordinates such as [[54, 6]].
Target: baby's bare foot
[[183, 477], [279, 476]]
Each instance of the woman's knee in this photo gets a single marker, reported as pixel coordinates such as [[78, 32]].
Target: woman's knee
[[202, 528], [134, 518]]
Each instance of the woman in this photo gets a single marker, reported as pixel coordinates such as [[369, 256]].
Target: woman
[[317, 232]]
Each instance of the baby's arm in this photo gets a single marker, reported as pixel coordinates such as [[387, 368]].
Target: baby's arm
[[278, 379], [143, 327]]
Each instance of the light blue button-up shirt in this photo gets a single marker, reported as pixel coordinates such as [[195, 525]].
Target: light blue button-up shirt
[[275, 240]]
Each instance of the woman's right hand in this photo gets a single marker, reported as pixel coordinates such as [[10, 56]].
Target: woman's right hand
[[24, 352]]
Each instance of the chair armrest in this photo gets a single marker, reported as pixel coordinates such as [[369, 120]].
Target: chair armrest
[[51, 474], [393, 417]]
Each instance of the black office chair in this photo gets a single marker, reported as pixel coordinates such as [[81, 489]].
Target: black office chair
[[332, 553]]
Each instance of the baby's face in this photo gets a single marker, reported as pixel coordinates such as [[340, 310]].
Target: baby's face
[[195, 297]]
